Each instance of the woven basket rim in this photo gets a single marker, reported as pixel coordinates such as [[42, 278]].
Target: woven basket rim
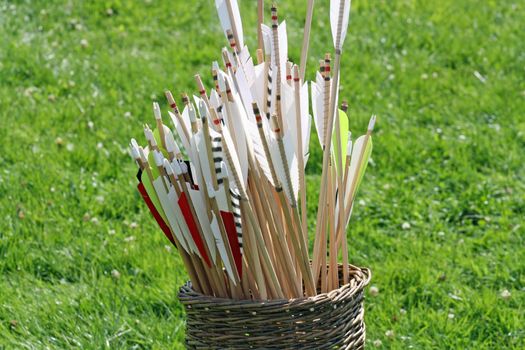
[[187, 295]]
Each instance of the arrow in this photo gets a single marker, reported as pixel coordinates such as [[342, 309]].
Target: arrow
[[339, 16]]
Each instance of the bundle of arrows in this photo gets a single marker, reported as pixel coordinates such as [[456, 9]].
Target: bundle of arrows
[[227, 183]]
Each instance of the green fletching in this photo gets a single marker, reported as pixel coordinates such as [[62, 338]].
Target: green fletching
[[343, 131], [155, 171], [160, 144], [358, 165], [151, 190], [151, 161]]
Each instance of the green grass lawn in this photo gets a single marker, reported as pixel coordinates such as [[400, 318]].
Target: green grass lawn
[[440, 219]]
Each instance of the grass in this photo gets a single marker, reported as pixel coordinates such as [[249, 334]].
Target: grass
[[440, 220]]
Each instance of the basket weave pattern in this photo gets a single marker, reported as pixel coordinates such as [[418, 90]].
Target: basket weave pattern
[[333, 320]]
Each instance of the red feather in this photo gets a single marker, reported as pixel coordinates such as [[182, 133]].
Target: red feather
[[229, 224], [192, 225], [163, 226]]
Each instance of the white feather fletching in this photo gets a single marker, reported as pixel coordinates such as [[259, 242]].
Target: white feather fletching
[[243, 94], [288, 111], [267, 39], [222, 199], [247, 65], [197, 100], [257, 88], [214, 225], [335, 16], [258, 149], [306, 122], [186, 117], [317, 88], [288, 108], [235, 122], [244, 56], [355, 167], [215, 100], [173, 199], [283, 46], [180, 132], [226, 137], [273, 107], [169, 210], [203, 156], [291, 163]]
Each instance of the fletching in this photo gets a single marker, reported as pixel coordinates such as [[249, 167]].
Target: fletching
[[171, 214], [283, 46], [339, 20], [343, 127], [214, 225], [317, 88], [358, 167]]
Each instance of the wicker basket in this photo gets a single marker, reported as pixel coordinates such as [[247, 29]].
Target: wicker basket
[[331, 320]]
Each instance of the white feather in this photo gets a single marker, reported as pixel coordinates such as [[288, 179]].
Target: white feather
[[215, 100], [249, 71], [203, 157], [274, 90], [317, 88], [169, 210], [244, 56], [195, 165], [258, 149], [306, 121], [222, 199], [335, 16], [236, 121], [244, 94], [197, 100], [290, 162], [214, 225], [292, 165], [267, 39], [186, 117], [355, 167], [238, 167], [283, 46], [173, 199], [257, 87], [185, 142], [288, 110]]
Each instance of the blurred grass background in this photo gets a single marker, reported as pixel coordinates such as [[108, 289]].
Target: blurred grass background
[[440, 214]]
